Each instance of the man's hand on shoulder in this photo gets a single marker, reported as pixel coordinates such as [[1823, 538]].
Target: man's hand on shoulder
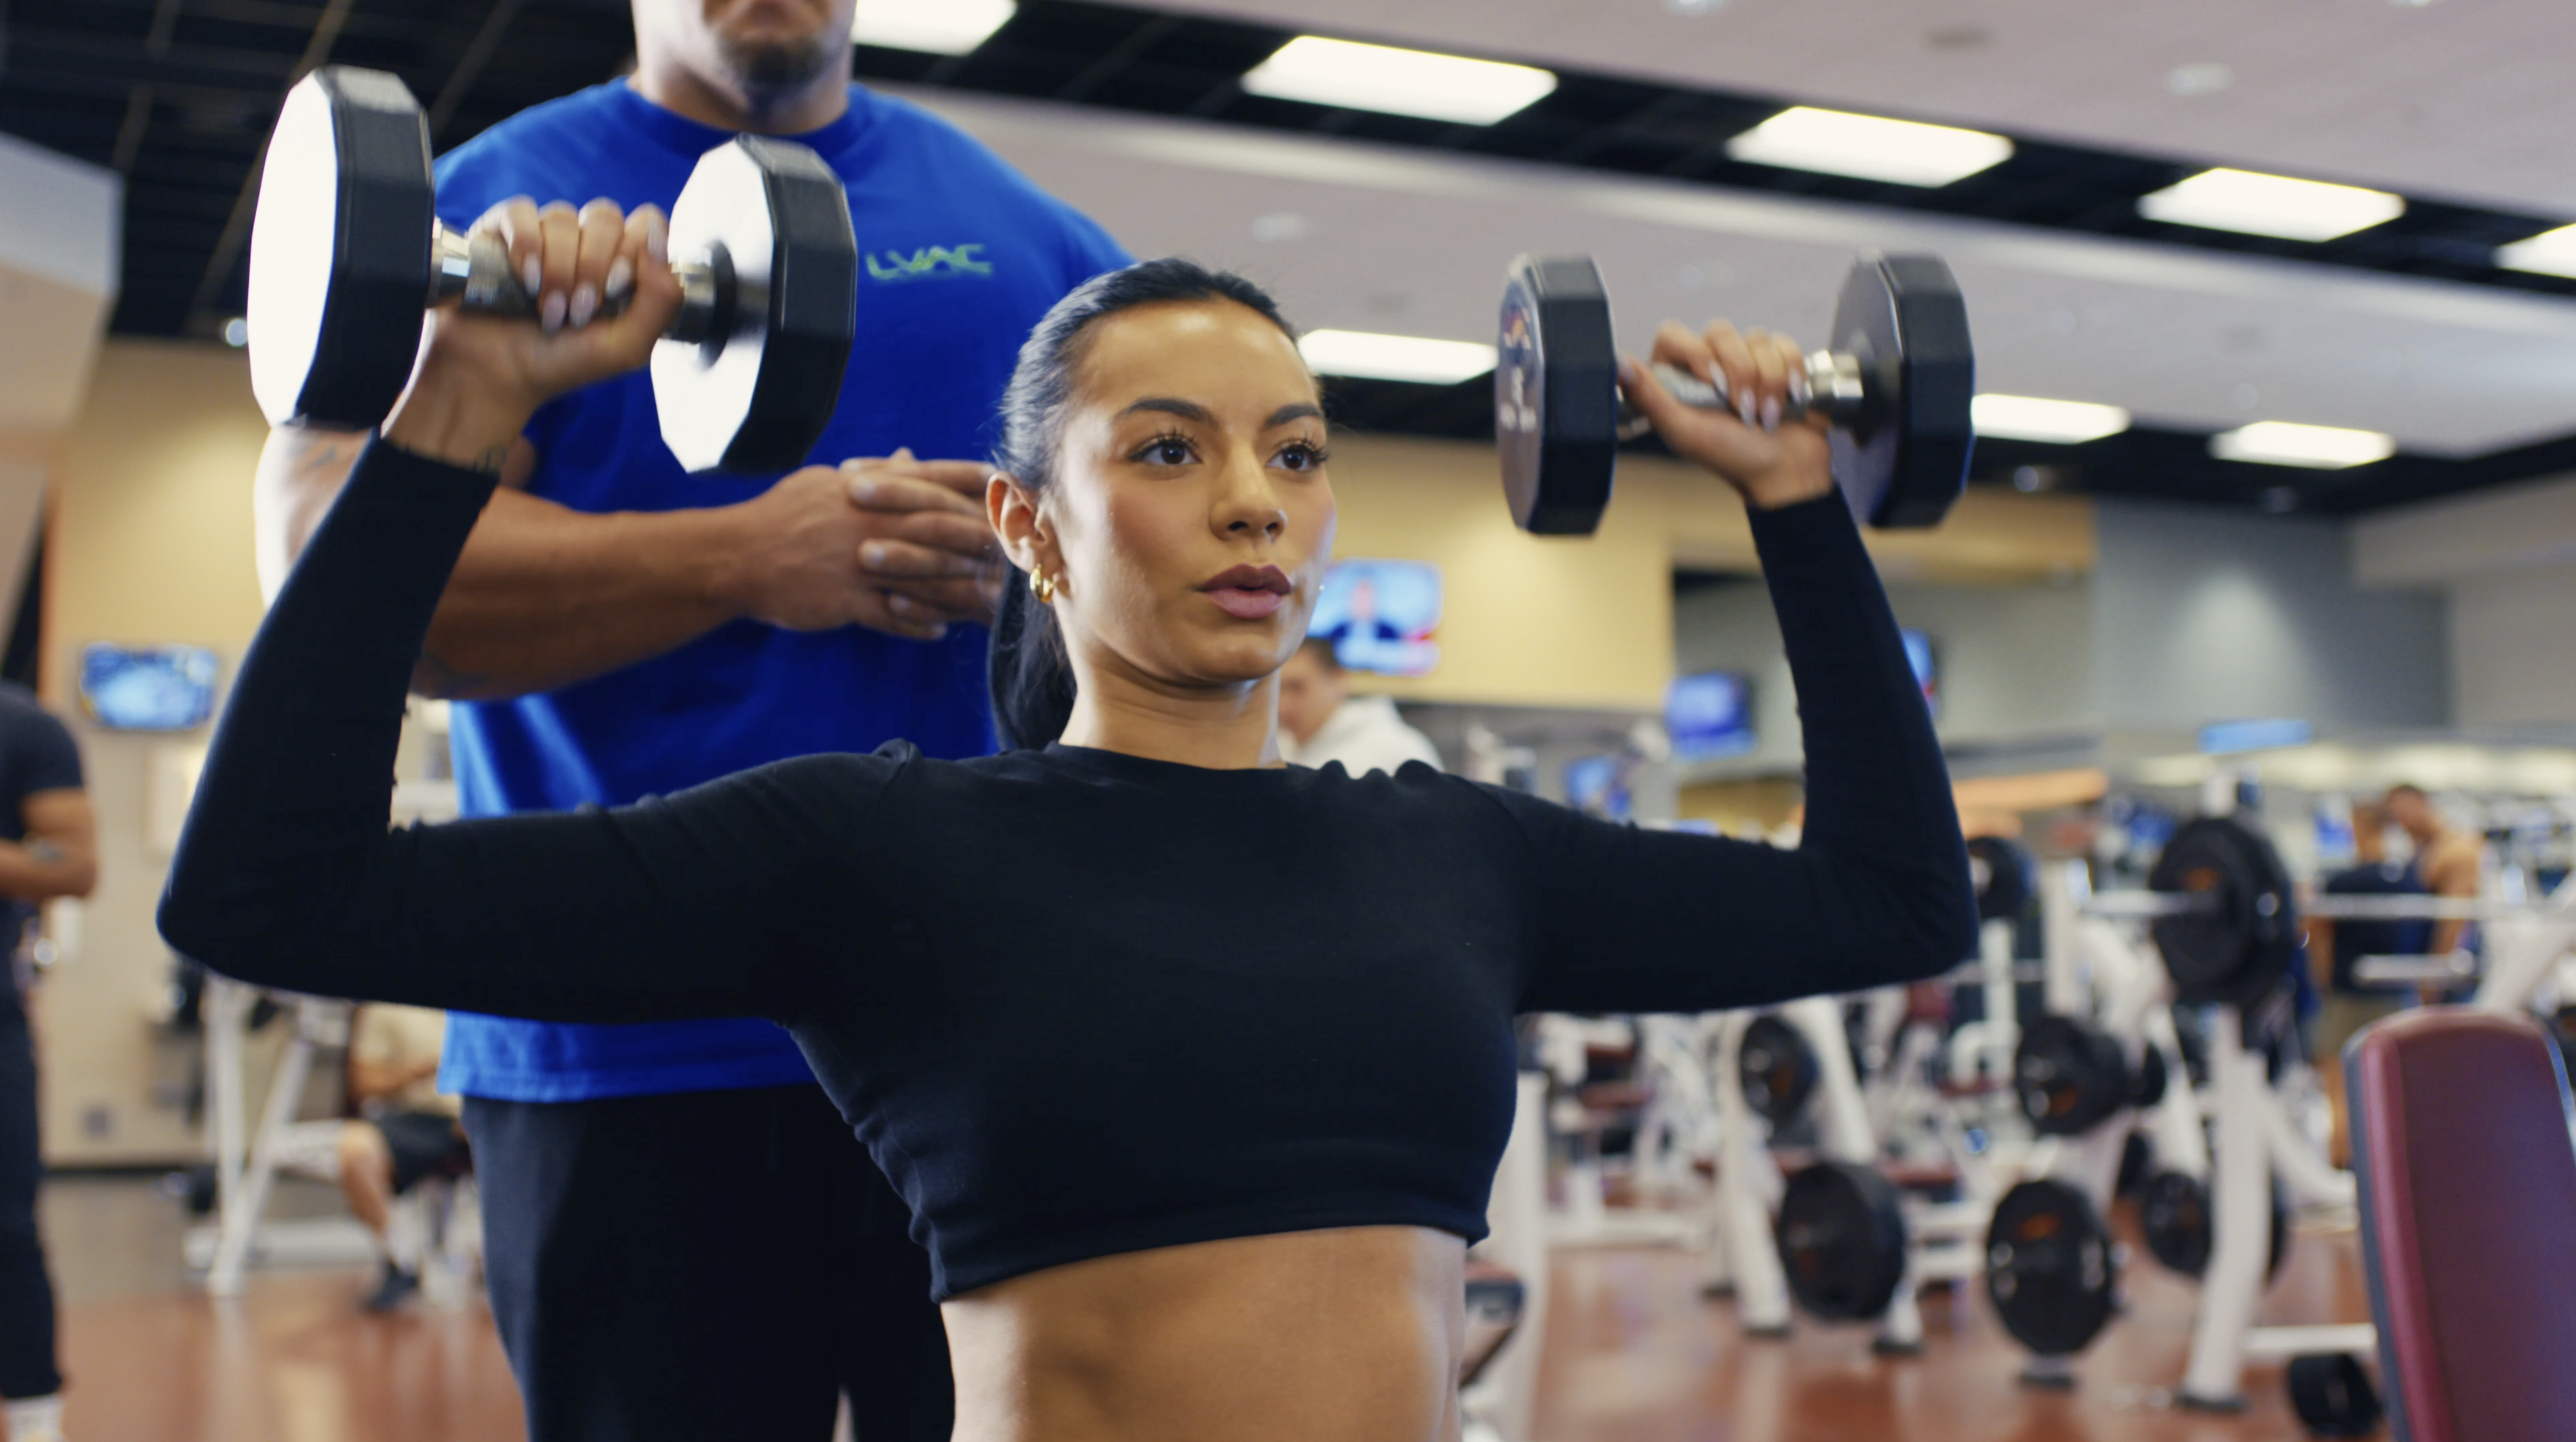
[[896, 544]]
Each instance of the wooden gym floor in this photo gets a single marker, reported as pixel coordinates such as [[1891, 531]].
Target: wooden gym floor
[[1634, 1355]]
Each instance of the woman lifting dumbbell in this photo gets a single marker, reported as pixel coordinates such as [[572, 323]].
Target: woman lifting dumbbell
[[1193, 1068]]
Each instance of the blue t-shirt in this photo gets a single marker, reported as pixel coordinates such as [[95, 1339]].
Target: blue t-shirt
[[960, 257]]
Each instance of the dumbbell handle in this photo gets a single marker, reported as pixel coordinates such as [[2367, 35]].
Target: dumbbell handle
[[475, 271], [1829, 384]]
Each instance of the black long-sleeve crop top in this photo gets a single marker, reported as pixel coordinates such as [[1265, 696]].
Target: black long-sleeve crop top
[[1074, 1002]]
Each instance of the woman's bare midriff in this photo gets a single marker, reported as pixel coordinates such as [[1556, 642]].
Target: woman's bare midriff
[[1346, 1335]]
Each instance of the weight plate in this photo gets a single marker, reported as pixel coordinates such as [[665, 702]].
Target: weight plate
[[2049, 1268], [339, 251], [1777, 1069], [2333, 1395], [2001, 869], [2238, 948], [1904, 460], [2147, 1079], [1841, 1235], [1556, 395], [2174, 1214], [2071, 1077], [756, 395]]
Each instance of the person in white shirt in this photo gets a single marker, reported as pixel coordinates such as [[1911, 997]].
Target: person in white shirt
[[1321, 722]]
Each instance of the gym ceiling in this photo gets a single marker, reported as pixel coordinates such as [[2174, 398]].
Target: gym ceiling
[[1382, 223]]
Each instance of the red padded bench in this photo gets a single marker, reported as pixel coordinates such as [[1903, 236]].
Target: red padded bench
[[2462, 1147]]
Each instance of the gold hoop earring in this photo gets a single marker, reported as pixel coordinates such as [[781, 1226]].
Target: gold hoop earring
[[1042, 586]]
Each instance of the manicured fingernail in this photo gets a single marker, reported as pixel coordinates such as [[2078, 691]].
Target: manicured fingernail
[[657, 243], [551, 314], [1746, 408], [585, 303], [863, 491], [532, 276], [621, 274], [899, 603], [872, 555], [901, 453], [1771, 414]]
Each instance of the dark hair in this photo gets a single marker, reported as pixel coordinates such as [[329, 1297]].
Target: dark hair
[[1030, 675]]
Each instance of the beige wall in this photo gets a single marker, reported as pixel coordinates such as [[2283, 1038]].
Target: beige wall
[[151, 543]]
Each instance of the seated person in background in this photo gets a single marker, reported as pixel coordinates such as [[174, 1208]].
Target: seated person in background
[[2334, 947], [1321, 722], [408, 1130]]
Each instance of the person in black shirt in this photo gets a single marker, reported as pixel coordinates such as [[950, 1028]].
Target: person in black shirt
[[47, 849], [1193, 1068]]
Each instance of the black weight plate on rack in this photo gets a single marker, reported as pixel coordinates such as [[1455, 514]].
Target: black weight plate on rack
[[2050, 1270], [2237, 948], [1777, 1069], [2174, 1213], [2333, 1395], [1841, 1235], [1556, 395], [1904, 460], [2070, 1076], [2002, 869]]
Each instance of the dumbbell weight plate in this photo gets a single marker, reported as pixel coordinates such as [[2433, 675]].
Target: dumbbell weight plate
[[1904, 460], [2070, 1076], [1777, 1069], [756, 395], [1556, 395], [339, 251], [2174, 1217], [2001, 868]]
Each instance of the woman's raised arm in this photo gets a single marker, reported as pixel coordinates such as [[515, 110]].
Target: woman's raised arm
[[715, 902]]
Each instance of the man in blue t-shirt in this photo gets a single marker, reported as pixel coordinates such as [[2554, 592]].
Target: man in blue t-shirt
[[684, 1240]]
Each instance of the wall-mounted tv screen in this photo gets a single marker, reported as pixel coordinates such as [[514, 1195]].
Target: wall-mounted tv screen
[[1381, 615], [147, 688], [1918, 650], [1709, 715]]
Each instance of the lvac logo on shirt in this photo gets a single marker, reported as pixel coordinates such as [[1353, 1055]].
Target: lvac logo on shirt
[[928, 261]]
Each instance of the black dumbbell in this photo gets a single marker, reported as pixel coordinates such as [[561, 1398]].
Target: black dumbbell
[[347, 254], [1895, 381]]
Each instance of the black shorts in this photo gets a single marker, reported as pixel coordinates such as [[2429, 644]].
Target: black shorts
[[423, 1144]]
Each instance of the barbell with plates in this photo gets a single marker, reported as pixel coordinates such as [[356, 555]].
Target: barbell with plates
[[1895, 382], [347, 254], [1777, 1069], [2050, 1269], [1841, 1234]]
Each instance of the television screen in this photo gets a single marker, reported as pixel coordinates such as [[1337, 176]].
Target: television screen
[[1381, 615], [1709, 715], [147, 688], [1918, 649]]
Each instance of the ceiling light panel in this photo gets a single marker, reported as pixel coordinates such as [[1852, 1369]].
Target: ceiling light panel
[[1351, 76], [2031, 418], [1395, 357], [1840, 143], [2275, 205], [2281, 443], [2552, 252], [939, 27]]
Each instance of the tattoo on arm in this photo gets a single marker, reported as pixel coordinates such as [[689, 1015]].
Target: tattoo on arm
[[491, 461], [319, 453]]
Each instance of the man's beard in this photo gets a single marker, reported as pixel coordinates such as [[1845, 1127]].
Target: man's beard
[[771, 71]]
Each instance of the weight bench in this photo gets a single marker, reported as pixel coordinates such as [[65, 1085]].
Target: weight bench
[[2465, 1148]]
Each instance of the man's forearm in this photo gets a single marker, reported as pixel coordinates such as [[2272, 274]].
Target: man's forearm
[[36, 871], [545, 596]]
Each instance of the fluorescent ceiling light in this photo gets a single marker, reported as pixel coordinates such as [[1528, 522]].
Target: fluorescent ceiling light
[[2552, 252], [2029, 418], [2241, 200], [1395, 357], [941, 27], [2280, 443], [1353, 76], [1838, 143]]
